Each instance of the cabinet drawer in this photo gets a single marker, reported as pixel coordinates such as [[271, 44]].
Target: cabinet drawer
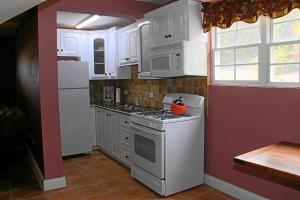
[[126, 157], [125, 137]]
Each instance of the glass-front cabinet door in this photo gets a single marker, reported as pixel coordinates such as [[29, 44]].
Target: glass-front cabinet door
[[99, 56]]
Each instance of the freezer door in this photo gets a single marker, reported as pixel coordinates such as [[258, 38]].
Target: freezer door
[[76, 136], [73, 74]]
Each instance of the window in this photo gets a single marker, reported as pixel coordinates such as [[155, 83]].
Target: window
[[263, 53]]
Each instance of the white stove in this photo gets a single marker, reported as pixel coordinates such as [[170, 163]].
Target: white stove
[[157, 119], [167, 150]]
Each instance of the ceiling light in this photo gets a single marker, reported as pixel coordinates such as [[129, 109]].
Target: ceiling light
[[88, 21]]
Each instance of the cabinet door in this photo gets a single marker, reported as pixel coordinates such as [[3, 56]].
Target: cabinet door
[[58, 42], [111, 53], [123, 48], [160, 28], [133, 45], [116, 135], [145, 46], [178, 24], [108, 132], [100, 118], [69, 44], [93, 125]]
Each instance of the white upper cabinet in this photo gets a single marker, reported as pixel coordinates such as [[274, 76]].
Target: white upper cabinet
[[72, 43], [133, 45], [123, 48], [98, 55], [111, 51], [69, 43], [178, 21], [161, 27], [178, 24], [128, 45]]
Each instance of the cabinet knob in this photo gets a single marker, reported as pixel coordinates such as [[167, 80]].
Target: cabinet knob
[[126, 138], [166, 36], [126, 156], [169, 35], [126, 122]]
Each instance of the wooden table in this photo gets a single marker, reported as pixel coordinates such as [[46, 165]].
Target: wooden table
[[281, 159]]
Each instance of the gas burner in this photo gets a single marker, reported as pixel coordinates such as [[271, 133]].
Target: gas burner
[[162, 114]]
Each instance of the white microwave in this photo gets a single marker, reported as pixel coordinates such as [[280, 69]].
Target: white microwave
[[179, 59]]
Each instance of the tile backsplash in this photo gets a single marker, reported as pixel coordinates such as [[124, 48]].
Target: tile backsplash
[[141, 88]]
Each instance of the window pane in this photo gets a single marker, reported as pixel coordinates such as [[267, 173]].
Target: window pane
[[294, 14], [286, 31], [247, 55], [224, 57], [244, 25], [247, 72], [224, 73], [231, 28], [226, 39], [285, 73], [248, 36], [285, 53]]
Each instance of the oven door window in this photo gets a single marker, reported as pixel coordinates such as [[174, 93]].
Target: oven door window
[[144, 147]]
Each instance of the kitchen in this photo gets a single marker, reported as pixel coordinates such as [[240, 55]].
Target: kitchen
[[128, 90], [122, 55]]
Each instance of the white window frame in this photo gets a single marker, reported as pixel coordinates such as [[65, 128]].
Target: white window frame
[[264, 51]]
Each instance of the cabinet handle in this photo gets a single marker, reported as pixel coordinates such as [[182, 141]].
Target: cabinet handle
[[169, 35], [57, 50], [126, 138], [178, 54], [126, 122], [166, 36]]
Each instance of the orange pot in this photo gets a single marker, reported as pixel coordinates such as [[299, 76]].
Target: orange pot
[[178, 108]]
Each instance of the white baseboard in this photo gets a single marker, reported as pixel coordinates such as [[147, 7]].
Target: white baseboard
[[48, 184], [230, 189]]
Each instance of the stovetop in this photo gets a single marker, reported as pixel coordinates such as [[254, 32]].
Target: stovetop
[[162, 114]]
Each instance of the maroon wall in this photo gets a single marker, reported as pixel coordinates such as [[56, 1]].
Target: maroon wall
[[241, 119], [7, 70], [28, 81], [48, 65]]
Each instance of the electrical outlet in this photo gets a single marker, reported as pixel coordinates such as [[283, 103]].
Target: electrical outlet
[[151, 95]]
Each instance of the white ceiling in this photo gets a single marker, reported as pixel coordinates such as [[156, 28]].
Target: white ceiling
[[70, 20], [12, 8]]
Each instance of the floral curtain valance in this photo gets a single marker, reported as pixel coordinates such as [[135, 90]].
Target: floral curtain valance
[[224, 13]]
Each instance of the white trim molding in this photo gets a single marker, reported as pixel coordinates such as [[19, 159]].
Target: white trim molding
[[48, 184], [230, 189]]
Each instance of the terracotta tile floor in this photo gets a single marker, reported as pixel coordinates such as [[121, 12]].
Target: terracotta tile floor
[[97, 177]]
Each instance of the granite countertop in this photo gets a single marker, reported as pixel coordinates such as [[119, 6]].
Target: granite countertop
[[124, 109]]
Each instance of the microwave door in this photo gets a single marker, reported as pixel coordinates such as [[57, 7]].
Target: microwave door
[[160, 64]]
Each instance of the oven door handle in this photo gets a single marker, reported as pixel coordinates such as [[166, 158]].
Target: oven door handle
[[147, 130]]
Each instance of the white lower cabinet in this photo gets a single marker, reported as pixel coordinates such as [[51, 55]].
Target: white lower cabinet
[[113, 136]]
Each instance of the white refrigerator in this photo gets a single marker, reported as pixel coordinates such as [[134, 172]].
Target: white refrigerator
[[74, 104]]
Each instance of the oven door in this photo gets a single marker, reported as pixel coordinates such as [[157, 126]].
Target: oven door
[[147, 150]]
